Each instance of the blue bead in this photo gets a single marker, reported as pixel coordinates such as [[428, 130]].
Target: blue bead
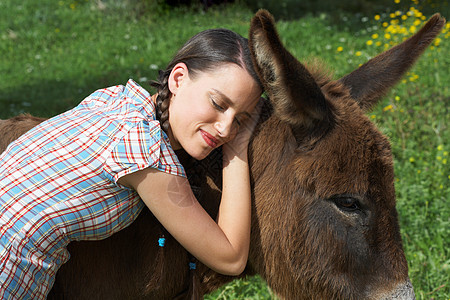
[[192, 266], [161, 242]]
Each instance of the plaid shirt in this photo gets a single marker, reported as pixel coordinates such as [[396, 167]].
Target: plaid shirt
[[58, 183]]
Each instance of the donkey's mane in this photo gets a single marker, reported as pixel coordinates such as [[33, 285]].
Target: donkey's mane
[[319, 70], [323, 76]]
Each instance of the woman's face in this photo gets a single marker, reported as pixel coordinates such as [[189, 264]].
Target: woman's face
[[205, 111]]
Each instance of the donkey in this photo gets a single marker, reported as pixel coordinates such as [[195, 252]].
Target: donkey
[[324, 222]]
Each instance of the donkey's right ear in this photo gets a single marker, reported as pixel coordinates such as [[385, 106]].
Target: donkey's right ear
[[292, 90]]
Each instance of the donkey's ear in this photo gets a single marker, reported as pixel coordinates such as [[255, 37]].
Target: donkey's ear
[[372, 80], [295, 96]]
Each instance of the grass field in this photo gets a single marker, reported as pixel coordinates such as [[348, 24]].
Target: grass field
[[54, 53]]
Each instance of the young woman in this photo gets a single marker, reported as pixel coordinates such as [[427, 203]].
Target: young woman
[[87, 173]]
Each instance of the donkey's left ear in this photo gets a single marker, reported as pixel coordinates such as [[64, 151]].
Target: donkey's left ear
[[372, 80]]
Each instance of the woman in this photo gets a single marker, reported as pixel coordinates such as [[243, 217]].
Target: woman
[[82, 174]]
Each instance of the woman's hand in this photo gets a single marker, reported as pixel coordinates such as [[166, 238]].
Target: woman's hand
[[237, 147]]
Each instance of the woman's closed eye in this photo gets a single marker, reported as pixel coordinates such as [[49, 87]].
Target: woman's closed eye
[[222, 108], [216, 105]]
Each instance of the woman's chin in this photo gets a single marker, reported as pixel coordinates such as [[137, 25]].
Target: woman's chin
[[198, 154]]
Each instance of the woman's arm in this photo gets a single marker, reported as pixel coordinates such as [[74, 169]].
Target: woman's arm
[[222, 246]]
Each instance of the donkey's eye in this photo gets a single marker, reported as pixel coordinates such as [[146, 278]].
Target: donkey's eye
[[347, 203]]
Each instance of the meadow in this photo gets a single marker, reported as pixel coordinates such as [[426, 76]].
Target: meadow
[[54, 53]]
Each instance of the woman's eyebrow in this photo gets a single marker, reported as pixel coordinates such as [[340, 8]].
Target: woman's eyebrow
[[224, 97], [229, 102]]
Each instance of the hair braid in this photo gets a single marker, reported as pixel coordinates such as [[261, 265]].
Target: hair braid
[[163, 99]]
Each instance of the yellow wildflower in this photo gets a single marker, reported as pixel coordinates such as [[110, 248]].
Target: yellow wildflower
[[369, 42], [437, 41], [358, 53], [404, 17], [377, 17], [417, 22], [411, 159], [397, 1], [375, 36], [378, 43], [387, 36], [340, 49], [412, 29], [395, 21], [389, 107], [397, 98], [413, 77], [385, 24], [440, 147]]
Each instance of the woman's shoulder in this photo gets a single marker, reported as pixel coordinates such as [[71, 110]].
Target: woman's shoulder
[[128, 101]]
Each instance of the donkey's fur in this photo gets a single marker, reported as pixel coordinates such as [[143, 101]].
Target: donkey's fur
[[12, 128], [324, 223]]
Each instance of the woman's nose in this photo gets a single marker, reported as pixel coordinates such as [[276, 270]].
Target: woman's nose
[[225, 127]]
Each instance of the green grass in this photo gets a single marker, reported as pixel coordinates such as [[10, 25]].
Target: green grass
[[54, 53]]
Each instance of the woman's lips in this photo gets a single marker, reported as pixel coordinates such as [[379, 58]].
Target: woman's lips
[[209, 139]]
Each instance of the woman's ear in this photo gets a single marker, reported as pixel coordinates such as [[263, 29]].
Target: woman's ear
[[179, 73]]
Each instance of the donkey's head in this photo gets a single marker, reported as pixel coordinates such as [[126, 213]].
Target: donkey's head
[[324, 208]]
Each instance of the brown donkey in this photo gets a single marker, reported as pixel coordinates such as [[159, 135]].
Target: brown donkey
[[324, 223]]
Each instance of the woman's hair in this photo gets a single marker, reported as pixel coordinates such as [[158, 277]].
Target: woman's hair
[[203, 52]]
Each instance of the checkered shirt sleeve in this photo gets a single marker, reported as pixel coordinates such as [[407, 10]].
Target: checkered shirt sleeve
[[144, 145]]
